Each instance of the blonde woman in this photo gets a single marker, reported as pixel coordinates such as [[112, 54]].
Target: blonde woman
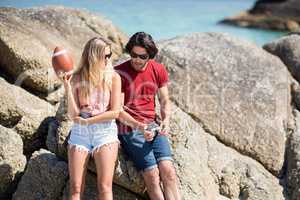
[[93, 92]]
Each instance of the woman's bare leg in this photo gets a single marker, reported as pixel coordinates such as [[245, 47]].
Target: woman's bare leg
[[105, 159], [78, 159]]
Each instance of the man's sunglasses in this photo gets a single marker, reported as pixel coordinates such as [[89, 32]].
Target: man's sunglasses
[[108, 55], [141, 56]]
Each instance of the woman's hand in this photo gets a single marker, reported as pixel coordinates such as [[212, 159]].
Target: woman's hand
[[66, 78], [80, 120]]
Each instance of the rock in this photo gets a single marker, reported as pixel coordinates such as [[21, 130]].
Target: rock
[[27, 114], [237, 91], [244, 19], [288, 50], [51, 141], [280, 8], [58, 136], [271, 14], [90, 192], [292, 25], [126, 175], [12, 161], [44, 178], [205, 166], [296, 94], [207, 169], [280, 15], [55, 96], [293, 161], [28, 37]]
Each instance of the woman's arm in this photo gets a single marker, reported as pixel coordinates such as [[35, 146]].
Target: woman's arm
[[73, 110], [128, 120], [115, 103]]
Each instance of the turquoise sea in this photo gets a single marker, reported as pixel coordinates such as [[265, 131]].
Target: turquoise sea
[[164, 18]]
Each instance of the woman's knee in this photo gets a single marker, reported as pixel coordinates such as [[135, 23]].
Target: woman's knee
[[75, 188], [105, 187]]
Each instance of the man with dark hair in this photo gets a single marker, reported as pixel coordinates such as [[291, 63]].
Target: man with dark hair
[[149, 149]]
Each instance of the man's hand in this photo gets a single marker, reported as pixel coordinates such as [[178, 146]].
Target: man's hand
[[80, 120], [149, 135], [165, 127]]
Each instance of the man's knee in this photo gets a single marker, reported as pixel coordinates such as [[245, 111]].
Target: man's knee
[[151, 177], [167, 172]]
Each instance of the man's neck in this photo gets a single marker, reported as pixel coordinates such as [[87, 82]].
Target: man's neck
[[140, 70]]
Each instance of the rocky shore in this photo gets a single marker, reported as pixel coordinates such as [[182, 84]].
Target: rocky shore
[[235, 123], [281, 15]]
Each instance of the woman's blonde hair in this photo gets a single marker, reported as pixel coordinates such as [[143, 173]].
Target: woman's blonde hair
[[94, 70]]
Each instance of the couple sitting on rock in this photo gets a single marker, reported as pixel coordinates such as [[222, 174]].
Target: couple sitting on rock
[[98, 94]]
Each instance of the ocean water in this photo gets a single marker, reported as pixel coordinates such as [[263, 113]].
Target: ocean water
[[164, 18]]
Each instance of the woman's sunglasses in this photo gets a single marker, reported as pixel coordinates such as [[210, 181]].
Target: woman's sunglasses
[[107, 56], [141, 56]]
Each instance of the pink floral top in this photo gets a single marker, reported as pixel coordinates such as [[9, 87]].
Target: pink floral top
[[97, 103]]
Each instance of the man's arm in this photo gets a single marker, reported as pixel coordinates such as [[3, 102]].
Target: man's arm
[[165, 108]]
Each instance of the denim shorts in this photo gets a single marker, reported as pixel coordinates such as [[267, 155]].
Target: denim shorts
[[93, 136], [145, 155]]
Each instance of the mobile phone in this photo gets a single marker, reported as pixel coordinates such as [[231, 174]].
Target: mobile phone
[[154, 128]]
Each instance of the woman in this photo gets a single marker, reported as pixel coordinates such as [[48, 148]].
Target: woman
[[93, 94]]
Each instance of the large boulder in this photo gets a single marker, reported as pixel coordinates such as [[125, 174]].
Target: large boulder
[[208, 169], [90, 191], [269, 14], [12, 161], [27, 114], [45, 177], [236, 90], [293, 161], [279, 8], [28, 37], [288, 50], [205, 167], [59, 130]]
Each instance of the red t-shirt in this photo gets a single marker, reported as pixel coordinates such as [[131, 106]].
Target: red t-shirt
[[139, 88]]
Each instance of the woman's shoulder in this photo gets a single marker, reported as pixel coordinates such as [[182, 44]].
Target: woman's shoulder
[[116, 79], [116, 76]]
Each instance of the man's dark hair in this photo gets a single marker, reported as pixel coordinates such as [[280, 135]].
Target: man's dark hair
[[144, 40]]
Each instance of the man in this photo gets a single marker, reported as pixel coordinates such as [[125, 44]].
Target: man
[[143, 78]]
